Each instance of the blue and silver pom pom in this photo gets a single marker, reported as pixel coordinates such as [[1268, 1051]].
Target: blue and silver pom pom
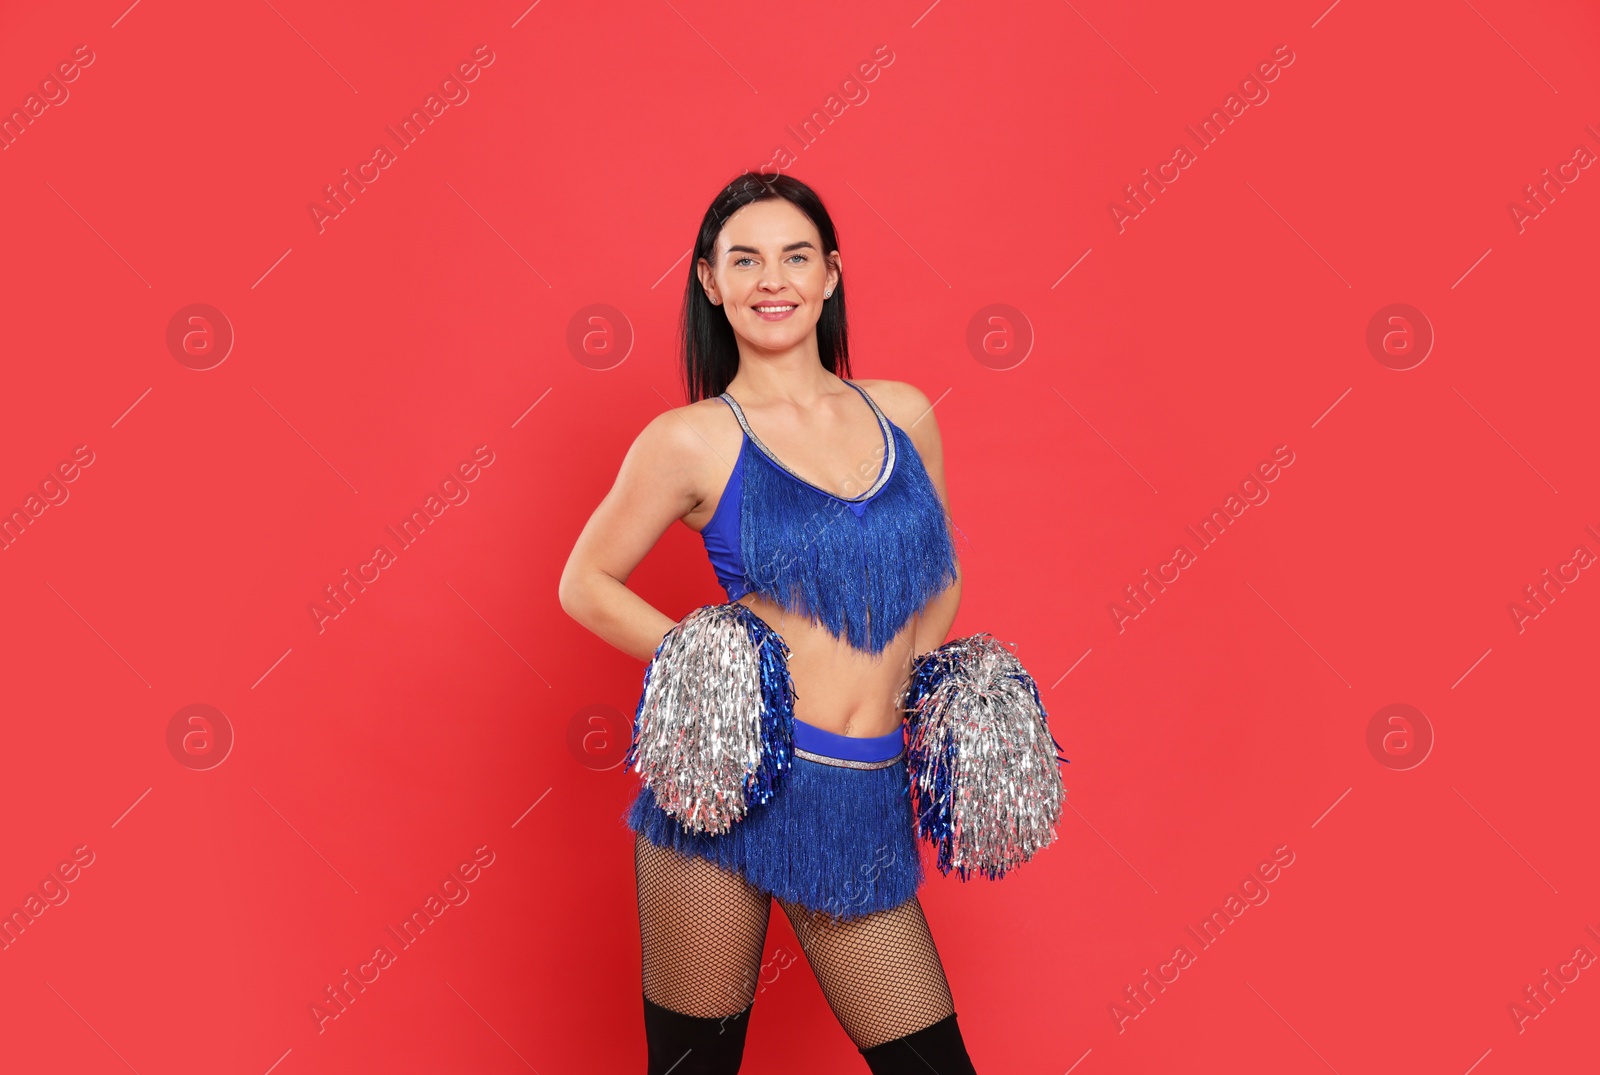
[[714, 729], [985, 780]]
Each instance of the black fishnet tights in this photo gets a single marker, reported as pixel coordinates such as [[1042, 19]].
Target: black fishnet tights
[[702, 929]]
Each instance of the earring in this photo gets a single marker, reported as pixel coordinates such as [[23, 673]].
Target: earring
[[827, 294]]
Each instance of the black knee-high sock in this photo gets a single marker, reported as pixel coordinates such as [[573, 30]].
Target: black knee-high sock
[[933, 1048], [693, 1044]]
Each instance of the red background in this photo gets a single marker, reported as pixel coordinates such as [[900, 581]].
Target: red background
[[448, 707]]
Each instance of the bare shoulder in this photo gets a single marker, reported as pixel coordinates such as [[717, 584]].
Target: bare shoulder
[[907, 407], [689, 448], [683, 431]]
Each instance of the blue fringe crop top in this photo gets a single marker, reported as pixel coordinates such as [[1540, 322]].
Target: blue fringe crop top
[[861, 566]]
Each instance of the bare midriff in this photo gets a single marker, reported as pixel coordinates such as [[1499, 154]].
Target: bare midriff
[[837, 687]]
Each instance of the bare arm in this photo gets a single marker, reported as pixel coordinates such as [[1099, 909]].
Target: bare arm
[[654, 486], [936, 619]]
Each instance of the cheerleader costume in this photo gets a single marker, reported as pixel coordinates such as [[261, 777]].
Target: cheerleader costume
[[838, 838]]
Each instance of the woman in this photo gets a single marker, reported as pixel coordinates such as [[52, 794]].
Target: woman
[[822, 505]]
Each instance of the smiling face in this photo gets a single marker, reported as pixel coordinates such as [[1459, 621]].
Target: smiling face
[[770, 274]]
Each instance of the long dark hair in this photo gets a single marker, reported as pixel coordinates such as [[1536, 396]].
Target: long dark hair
[[710, 352]]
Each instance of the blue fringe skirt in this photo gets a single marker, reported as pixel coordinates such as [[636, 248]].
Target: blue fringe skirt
[[836, 837]]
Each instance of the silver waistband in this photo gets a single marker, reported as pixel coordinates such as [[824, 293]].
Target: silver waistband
[[847, 763]]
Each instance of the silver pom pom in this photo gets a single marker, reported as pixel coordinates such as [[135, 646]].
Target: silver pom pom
[[715, 724], [985, 781]]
